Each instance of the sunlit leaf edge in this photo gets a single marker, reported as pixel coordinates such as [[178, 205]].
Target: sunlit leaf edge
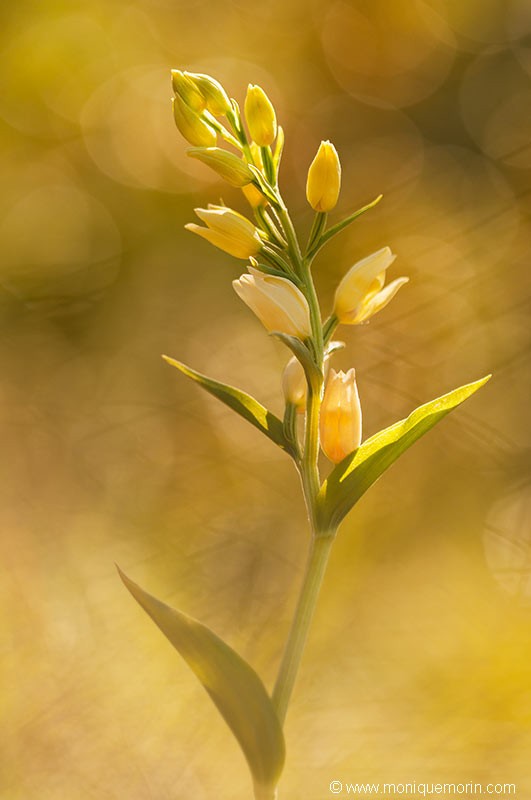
[[351, 478], [233, 685], [242, 403]]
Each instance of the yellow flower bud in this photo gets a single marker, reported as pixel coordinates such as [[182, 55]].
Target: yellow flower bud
[[324, 178], [340, 419], [277, 302], [194, 129], [227, 165], [185, 88], [227, 230], [260, 116], [294, 384], [254, 196], [214, 95], [361, 293]]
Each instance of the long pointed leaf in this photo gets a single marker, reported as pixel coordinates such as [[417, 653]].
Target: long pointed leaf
[[241, 402], [301, 352], [351, 478], [233, 685], [339, 226]]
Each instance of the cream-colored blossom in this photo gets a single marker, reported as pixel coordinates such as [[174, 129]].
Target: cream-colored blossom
[[294, 384], [277, 302], [361, 293], [228, 230]]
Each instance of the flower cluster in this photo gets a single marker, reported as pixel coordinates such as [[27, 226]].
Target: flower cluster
[[322, 411], [278, 286]]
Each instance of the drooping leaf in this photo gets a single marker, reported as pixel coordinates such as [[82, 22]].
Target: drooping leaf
[[300, 351], [241, 402], [334, 346], [231, 682], [351, 478]]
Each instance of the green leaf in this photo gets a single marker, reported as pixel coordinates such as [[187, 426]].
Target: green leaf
[[351, 478], [334, 346], [261, 183], [241, 402], [233, 685], [279, 147], [318, 226], [335, 229], [301, 351]]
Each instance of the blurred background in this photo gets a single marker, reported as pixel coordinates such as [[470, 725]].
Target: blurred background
[[418, 664]]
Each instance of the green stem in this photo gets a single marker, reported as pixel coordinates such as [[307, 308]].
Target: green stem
[[335, 229], [290, 428], [291, 236], [264, 793], [269, 226], [309, 465], [221, 129], [269, 253], [309, 469], [318, 226], [269, 167], [315, 312], [298, 635], [329, 327]]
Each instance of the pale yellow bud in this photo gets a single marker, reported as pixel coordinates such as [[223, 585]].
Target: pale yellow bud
[[185, 88], [324, 178], [227, 230], [194, 129], [294, 384], [277, 302], [227, 165], [260, 116], [254, 196], [340, 419], [214, 95], [361, 293]]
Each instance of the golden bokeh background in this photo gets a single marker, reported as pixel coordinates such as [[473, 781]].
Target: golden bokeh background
[[418, 666]]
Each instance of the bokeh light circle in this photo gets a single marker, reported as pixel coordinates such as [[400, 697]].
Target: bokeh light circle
[[495, 99], [507, 542], [59, 244], [49, 68], [383, 69]]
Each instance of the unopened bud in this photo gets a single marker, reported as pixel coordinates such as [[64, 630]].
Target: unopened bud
[[227, 230], [340, 418], [294, 384], [324, 178], [260, 116], [194, 129], [214, 95], [185, 88], [277, 302], [254, 196], [227, 165]]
